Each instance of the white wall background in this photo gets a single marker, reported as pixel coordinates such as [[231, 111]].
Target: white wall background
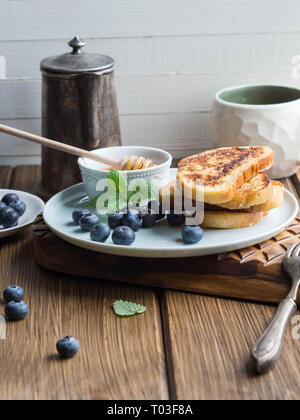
[[171, 57]]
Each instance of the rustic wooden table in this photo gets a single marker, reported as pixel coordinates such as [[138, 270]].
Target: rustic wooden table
[[186, 346]]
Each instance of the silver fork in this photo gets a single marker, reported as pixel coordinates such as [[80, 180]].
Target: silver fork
[[268, 348]]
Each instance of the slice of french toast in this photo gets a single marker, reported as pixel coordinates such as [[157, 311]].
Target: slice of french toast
[[267, 198], [217, 174], [231, 219], [275, 200], [257, 190]]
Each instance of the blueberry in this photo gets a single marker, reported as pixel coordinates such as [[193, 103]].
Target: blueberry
[[115, 220], [100, 233], [78, 213], [192, 234], [3, 206], [67, 347], [123, 235], [175, 219], [16, 310], [133, 220], [10, 197], [156, 208], [88, 221], [18, 206], [149, 219], [9, 217], [13, 293]]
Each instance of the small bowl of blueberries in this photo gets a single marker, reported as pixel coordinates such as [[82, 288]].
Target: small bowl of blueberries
[[18, 209]]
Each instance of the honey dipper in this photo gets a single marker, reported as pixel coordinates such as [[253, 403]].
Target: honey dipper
[[128, 163]]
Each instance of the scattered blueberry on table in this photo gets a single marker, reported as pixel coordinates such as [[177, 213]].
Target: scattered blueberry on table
[[68, 347], [175, 219], [88, 221], [13, 293], [100, 232], [192, 234], [123, 235], [16, 310]]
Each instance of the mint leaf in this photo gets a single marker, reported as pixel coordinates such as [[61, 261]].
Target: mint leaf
[[141, 190], [119, 196], [91, 204], [124, 308], [119, 180]]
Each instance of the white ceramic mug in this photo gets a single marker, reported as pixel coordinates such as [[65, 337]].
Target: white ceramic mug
[[262, 115]]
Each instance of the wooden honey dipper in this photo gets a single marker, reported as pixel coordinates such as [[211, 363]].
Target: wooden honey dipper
[[128, 163]]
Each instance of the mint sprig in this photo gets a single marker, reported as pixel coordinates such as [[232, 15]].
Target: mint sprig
[[124, 308], [121, 193]]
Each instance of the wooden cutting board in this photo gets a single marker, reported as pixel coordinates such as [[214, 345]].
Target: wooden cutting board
[[253, 273]]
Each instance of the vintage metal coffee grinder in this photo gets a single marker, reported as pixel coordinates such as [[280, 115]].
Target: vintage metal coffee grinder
[[79, 107]]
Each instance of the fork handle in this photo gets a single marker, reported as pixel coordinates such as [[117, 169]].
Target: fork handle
[[268, 348]]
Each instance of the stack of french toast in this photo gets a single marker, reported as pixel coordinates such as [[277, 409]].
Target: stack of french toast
[[232, 182]]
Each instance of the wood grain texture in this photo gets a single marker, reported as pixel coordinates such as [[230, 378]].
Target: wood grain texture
[[208, 343], [253, 273], [5, 176], [211, 360], [119, 358]]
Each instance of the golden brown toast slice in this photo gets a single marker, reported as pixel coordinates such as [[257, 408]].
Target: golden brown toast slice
[[273, 194], [257, 190], [218, 174], [275, 200], [231, 219]]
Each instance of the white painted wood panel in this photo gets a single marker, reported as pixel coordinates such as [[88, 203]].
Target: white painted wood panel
[[178, 133], [143, 94], [10, 145], [56, 19], [139, 56], [20, 160], [171, 57]]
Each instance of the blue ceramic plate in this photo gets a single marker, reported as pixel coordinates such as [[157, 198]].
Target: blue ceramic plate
[[163, 241]]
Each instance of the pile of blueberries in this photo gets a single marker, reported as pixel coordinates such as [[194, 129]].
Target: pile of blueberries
[[16, 310], [11, 209], [125, 224]]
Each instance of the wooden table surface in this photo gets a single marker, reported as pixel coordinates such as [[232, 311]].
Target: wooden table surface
[[186, 346]]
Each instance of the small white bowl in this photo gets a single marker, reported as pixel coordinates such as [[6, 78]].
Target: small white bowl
[[92, 172], [34, 207]]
